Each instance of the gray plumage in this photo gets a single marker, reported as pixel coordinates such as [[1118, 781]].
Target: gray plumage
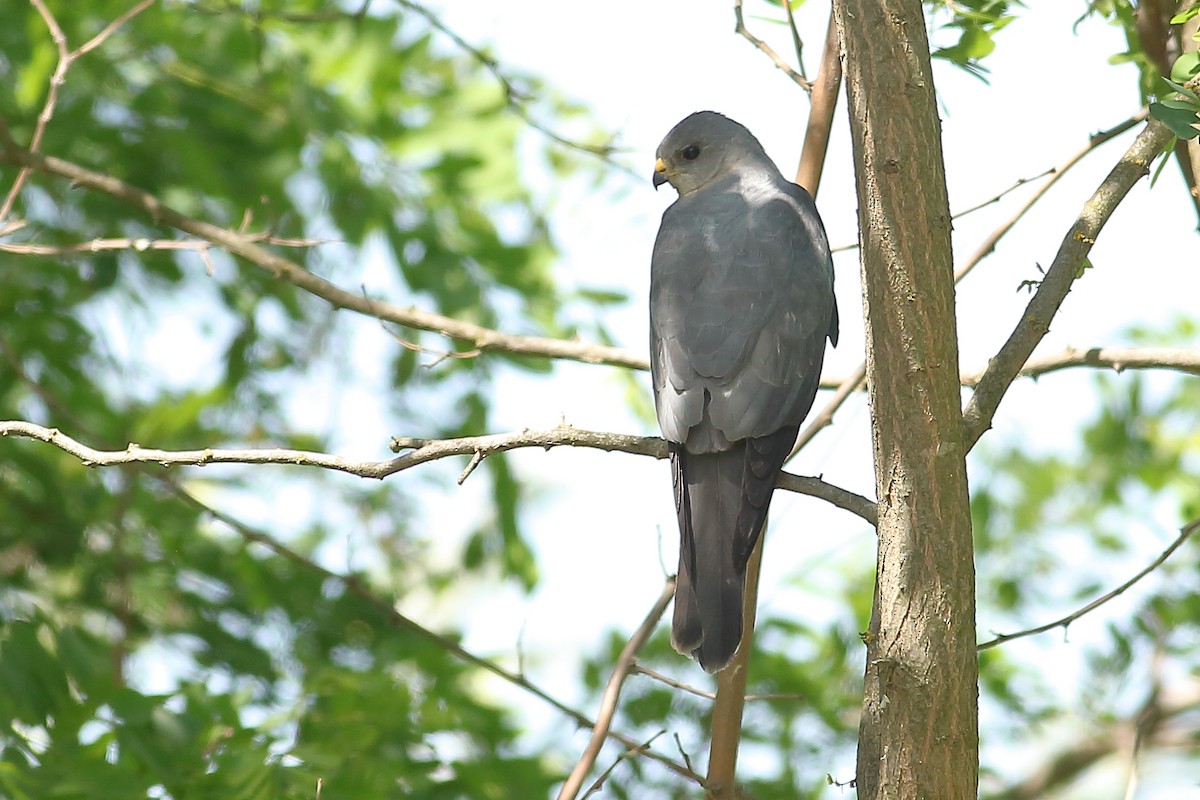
[[741, 302]]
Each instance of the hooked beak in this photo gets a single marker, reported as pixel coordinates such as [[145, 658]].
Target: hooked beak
[[660, 173]]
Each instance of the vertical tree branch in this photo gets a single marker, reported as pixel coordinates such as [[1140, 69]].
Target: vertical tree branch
[[731, 693], [918, 737], [820, 116]]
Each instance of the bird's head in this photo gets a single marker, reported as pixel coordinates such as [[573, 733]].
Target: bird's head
[[701, 148]]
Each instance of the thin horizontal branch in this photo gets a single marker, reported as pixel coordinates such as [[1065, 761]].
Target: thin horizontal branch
[[1063, 622], [639, 669], [422, 452], [1053, 289], [141, 245], [1115, 358], [426, 450]]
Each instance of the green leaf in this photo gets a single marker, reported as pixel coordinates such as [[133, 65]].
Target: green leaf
[[1186, 67], [1162, 163], [1184, 16], [1181, 121], [1183, 90]]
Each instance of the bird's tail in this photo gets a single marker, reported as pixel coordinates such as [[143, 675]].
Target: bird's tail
[[722, 499]]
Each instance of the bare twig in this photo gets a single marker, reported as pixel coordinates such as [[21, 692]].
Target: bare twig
[[423, 451], [65, 59], [639, 669], [1035, 322], [1115, 358], [1095, 140], [612, 693], [991, 201], [516, 98], [740, 29], [1064, 622], [632, 752], [957, 215], [850, 384], [439, 355], [111, 28], [357, 587], [797, 42], [687, 759]]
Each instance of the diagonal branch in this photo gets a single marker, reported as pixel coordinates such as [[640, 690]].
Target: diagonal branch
[[1067, 266], [357, 587], [246, 246], [855, 381], [612, 693], [632, 752], [423, 451], [1150, 724], [1095, 140], [1063, 622]]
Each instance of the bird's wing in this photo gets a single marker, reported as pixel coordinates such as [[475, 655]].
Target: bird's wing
[[741, 303]]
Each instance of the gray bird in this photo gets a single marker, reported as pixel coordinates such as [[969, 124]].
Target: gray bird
[[741, 302]]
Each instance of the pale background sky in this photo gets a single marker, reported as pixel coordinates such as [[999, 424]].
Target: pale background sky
[[600, 520]]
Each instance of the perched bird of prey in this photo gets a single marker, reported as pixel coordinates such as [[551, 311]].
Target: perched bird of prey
[[741, 302]]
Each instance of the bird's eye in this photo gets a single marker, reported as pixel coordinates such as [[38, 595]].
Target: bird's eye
[[691, 152]]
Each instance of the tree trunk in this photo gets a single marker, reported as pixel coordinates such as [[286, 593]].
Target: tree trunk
[[918, 737]]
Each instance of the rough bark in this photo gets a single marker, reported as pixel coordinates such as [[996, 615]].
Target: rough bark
[[918, 737]]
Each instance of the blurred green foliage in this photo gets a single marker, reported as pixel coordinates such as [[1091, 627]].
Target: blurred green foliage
[[143, 647]]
